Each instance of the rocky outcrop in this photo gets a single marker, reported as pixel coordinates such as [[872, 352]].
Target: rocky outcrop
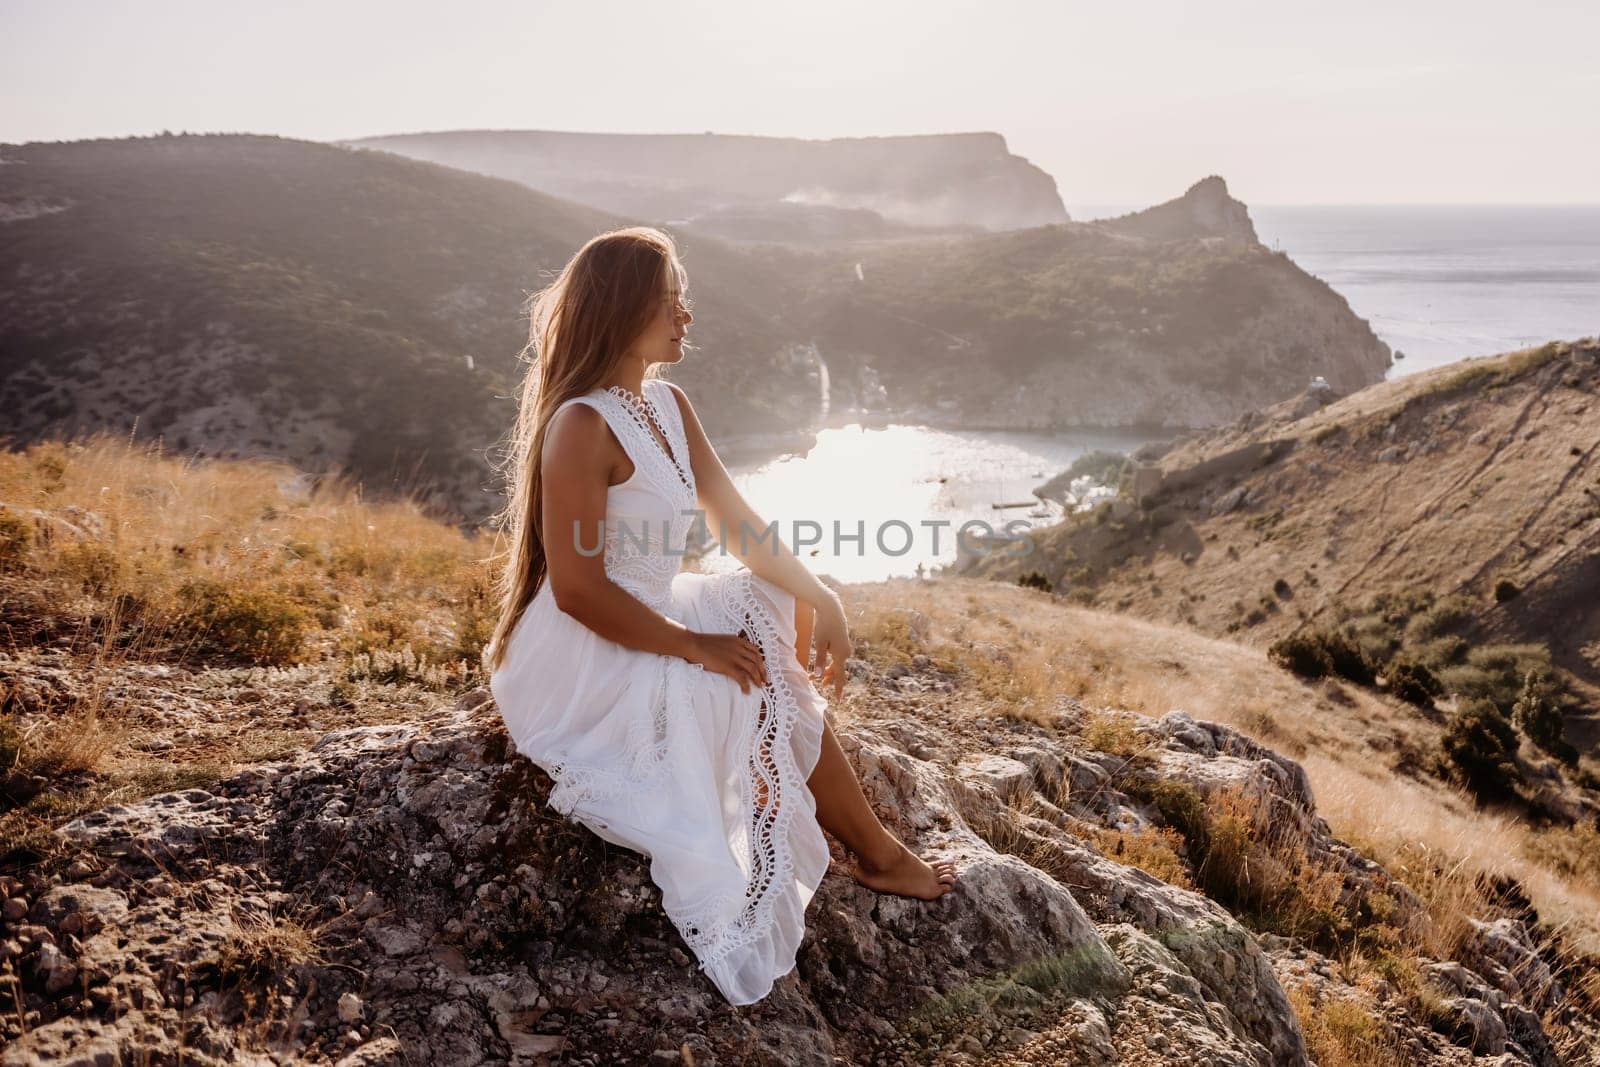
[[401, 894], [1205, 210], [960, 180]]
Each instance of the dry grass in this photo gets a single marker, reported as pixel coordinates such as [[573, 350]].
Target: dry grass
[[1435, 839], [240, 561], [1428, 833], [1344, 1032], [295, 608], [266, 948], [1154, 850], [1055, 651]]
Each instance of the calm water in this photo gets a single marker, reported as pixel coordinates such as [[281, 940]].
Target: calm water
[[1444, 282], [913, 474]]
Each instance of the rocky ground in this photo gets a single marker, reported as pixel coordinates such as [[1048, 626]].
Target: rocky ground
[[398, 893]]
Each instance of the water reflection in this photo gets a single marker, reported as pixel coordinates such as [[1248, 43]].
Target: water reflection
[[897, 481]]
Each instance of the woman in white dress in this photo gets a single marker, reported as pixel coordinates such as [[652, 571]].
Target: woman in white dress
[[673, 710]]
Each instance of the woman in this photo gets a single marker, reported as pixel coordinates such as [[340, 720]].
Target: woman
[[672, 709]]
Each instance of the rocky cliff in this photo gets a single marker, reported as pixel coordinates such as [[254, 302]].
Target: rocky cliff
[[1173, 317], [753, 187]]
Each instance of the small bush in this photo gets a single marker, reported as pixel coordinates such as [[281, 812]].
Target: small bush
[[1442, 652], [256, 623], [1109, 732], [1505, 589], [1302, 654], [1413, 682], [1480, 751], [1349, 661], [1104, 467], [1152, 849], [1496, 672], [1319, 653], [1181, 807], [1446, 617], [1034, 580], [1537, 713]]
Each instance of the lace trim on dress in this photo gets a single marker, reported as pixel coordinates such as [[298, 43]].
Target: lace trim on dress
[[667, 472], [768, 779]]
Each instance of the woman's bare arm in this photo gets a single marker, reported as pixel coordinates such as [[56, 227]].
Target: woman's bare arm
[[575, 468], [729, 515]]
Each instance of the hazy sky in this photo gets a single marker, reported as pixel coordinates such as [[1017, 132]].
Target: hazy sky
[[1122, 103]]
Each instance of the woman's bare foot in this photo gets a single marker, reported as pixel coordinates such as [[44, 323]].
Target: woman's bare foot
[[907, 875]]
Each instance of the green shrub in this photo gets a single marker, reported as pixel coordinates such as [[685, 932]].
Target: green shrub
[[1349, 660], [1480, 751], [1319, 653], [1413, 682], [1034, 580], [1496, 672], [1446, 617], [257, 624], [1303, 654], [1104, 467], [1441, 652], [1538, 714]]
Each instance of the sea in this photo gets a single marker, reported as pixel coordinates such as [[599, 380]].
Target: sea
[[1438, 283]]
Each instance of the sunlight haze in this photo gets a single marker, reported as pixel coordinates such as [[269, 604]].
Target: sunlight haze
[[1424, 103]]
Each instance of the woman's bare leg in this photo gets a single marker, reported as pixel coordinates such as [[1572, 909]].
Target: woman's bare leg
[[884, 863]]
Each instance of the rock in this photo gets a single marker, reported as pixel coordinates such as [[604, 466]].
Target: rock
[[522, 936], [58, 973], [1010, 779], [1232, 500]]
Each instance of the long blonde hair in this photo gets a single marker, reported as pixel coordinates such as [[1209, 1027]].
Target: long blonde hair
[[579, 327]]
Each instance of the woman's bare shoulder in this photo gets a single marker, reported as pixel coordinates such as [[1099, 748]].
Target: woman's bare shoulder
[[577, 431]]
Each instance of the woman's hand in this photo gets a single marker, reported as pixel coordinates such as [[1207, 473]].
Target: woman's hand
[[832, 637], [737, 657]]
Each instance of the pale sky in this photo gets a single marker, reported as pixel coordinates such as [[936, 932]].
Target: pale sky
[[1355, 102]]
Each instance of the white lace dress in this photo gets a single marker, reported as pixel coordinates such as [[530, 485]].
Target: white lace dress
[[657, 754]]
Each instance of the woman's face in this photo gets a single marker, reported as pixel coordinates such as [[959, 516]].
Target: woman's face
[[663, 338]]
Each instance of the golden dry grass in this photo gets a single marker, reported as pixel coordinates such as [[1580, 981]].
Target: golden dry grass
[[115, 555], [239, 560], [1347, 738], [1345, 1032]]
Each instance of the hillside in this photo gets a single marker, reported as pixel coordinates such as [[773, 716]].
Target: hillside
[[256, 803], [1172, 317], [1434, 516], [257, 295], [763, 188], [241, 295]]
